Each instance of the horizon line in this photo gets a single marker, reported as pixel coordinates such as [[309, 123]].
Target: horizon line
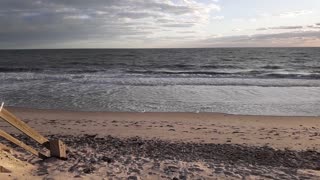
[[161, 48]]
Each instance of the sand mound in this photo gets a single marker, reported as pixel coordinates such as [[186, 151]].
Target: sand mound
[[11, 167]]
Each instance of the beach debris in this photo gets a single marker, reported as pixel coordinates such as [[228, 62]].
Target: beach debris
[[56, 147]]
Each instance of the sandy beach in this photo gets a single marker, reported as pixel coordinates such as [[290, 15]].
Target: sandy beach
[[279, 132], [173, 145], [153, 89]]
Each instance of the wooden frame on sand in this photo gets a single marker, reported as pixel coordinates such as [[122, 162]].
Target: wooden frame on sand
[[56, 147]]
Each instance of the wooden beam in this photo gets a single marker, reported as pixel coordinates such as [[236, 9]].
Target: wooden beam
[[58, 149], [21, 144], [23, 127]]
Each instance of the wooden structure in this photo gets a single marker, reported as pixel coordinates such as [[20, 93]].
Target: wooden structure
[[56, 147]]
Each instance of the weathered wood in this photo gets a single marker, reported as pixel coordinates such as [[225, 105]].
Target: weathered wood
[[4, 170], [2, 104], [21, 144], [58, 149], [23, 127]]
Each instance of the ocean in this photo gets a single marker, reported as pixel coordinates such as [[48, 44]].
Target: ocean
[[255, 81]]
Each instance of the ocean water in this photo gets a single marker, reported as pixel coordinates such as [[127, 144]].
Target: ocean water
[[263, 81]]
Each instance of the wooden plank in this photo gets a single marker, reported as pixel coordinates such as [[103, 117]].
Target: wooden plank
[[21, 144], [58, 149], [23, 127], [2, 104], [4, 170]]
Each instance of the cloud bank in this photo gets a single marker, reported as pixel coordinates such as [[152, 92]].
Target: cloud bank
[[31, 22], [286, 39], [136, 23]]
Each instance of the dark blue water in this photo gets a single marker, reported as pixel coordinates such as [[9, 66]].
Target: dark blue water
[[242, 62], [277, 81]]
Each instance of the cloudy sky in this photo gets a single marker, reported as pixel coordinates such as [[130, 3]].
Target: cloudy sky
[[158, 23]]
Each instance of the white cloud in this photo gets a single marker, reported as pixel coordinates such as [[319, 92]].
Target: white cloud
[[218, 18], [295, 13], [82, 16], [237, 30], [287, 14]]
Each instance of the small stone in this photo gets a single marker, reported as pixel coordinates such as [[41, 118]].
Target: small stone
[[227, 173], [218, 170], [93, 160], [183, 177], [107, 159], [195, 169], [88, 169], [133, 178], [42, 172], [172, 169], [135, 171]]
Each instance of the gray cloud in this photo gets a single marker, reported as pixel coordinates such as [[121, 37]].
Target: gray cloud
[[297, 34], [313, 27], [179, 25], [287, 27], [136, 15], [306, 28], [161, 20], [280, 28], [262, 29], [34, 23], [298, 38], [187, 32]]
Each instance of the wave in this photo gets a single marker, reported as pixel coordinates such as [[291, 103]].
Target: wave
[[271, 67], [136, 80], [177, 72], [235, 74], [292, 75], [19, 69]]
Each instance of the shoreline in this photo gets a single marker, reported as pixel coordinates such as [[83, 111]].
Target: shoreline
[[279, 132], [50, 111], [25, 109]]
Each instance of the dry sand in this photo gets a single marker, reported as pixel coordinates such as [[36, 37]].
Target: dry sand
[[154, 145], [13, 168]]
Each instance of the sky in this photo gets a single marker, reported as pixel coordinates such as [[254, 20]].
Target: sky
[[158, 23]]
